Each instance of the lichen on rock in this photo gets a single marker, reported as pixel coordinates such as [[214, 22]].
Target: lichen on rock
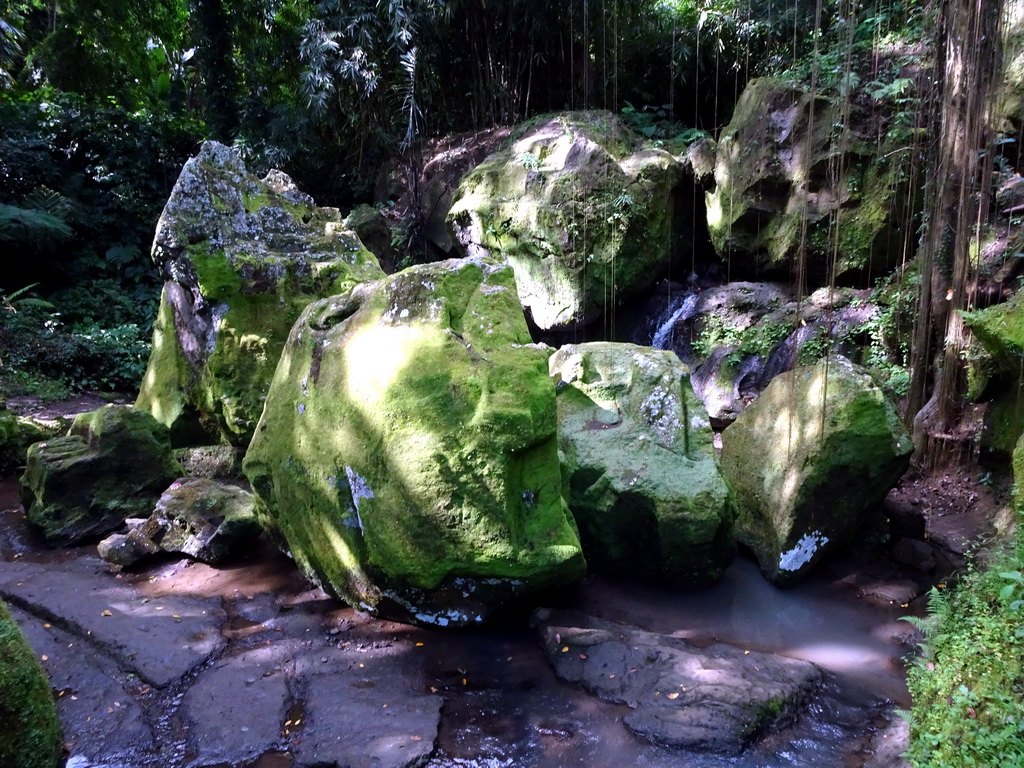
[[639, 465], [581, 212], [241, 258], [808, 460], [407, 452], [197, 517]]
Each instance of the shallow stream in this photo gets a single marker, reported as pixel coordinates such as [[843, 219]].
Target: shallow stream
[[503, 706], [513, 712]]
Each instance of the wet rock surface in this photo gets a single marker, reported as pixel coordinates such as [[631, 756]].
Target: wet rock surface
[[715, 698], [160, 641], [216, 674], [299, 679]]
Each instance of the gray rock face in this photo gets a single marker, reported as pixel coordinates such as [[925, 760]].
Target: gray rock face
[[212, 461], [89, 684], [174, 681], [790, 156], [82, 597], [737, 337], [196, 517], [713, 699], [397, 734], [250, 696], [636, 450], [112, 465]]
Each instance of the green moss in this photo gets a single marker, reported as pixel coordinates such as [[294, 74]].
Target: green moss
[[640, 470], [1000, 328], [244, 257], [31, 735], [408, 441], [113, 464], [167, 378], [583, 223], [818, 449]]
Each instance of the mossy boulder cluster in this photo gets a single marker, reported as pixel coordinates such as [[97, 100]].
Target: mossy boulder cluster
[[407, 452], [113, 464], [30, 735], [414, 450], [241, 259], [807, 461], [576, 206], [793, 171], [639, 465]]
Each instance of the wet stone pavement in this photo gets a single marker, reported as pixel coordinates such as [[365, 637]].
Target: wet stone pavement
[[183, 665]]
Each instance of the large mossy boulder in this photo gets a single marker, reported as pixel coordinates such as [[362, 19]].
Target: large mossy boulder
[[30, 735], [113, 464], [581, 212], [639, 465], [407, 452], [241, 258], [817, 451], [793, 171]]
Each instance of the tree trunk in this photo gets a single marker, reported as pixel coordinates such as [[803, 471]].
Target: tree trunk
[[970, 59]]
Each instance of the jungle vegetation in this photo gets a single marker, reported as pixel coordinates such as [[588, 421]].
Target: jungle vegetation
[[101, 101]]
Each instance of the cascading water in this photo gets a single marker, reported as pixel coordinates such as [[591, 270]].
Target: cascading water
[[678, 311]]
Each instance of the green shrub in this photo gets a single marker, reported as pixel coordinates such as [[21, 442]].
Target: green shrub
[[968, 688], [42, 355], [30, 736]]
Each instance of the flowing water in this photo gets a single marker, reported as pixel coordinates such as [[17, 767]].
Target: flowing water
[[513, 712]]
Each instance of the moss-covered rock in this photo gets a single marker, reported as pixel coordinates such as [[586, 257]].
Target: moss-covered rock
[[407, 452], [11, 449], [30, 735], [241, 258], [820, 448], [17, 433], [1000, 329], [639, 465], [788, 157], [582, 214], [196, 517], [113, 464]]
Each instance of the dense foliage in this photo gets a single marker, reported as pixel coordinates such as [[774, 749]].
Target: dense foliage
[[968, 686], [102, 101]]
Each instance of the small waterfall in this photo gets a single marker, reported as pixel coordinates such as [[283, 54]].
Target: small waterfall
[[783, 358], [678, 311]]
